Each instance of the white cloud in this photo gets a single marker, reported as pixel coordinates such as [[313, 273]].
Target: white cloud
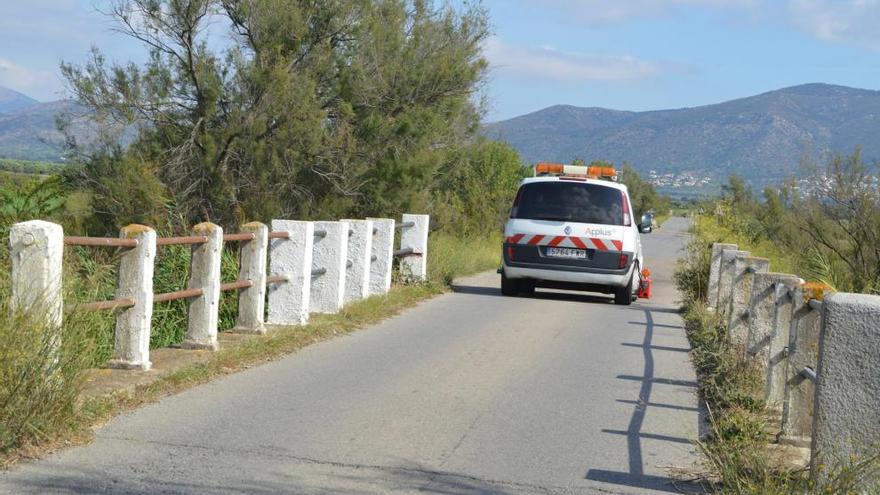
[[39, 84], [607, 11], [847, 21], [549, 63]]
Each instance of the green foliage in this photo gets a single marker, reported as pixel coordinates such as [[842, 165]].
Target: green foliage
[[476, 188], [692, 272], [825, 227], [33, 199], [29, 167], [455, 256]]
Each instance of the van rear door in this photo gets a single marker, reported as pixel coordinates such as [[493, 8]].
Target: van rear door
[[569, 222]]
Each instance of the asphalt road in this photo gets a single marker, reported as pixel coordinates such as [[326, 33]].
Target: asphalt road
[[470, 392]]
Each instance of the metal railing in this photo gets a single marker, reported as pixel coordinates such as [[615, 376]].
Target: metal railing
[[112, 304]]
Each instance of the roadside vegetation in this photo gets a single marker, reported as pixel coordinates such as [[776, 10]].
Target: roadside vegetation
[[807, 228], [290, 120], [824, 227], [11, 166]]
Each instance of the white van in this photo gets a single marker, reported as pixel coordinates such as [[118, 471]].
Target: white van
[[572, 227]]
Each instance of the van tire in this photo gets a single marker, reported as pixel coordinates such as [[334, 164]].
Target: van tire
[[623, 296], [509, 286]]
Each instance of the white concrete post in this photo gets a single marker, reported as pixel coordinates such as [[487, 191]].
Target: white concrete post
[[134, 280], [725, 279], [715, 273], [383, 255], [741, 295], [847, 410], [37, 250], [415, 266], [204, 311], [252, 300], [360, 250], [291, 258], [328, 265], [803, 345], [769, 324]]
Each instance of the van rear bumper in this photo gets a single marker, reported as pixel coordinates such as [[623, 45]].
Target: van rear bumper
[[592, 277]]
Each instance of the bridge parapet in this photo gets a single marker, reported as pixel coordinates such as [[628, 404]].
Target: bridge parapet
[[816, 348], [310, 270]]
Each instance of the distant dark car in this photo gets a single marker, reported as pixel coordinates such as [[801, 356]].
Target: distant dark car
[[646, 224]]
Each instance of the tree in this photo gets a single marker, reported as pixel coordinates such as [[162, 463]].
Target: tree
[[326, 107]]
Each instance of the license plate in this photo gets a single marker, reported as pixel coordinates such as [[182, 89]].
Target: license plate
[[557, 252]]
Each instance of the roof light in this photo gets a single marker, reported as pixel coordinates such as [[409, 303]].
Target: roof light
[[549, 168], [588, 172]]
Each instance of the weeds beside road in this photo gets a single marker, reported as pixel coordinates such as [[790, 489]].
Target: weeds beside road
[[735, 449]]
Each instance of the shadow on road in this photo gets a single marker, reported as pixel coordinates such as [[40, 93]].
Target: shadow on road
[[636, 476], [538, 294], [332, 478]]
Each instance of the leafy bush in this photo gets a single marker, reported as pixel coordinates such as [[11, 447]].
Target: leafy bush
[[35, 198]]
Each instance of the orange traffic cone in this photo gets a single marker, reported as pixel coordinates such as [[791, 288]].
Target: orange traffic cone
[[645, 284]]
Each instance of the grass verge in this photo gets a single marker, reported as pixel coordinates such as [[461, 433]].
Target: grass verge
[[711, 230], [32, 424]]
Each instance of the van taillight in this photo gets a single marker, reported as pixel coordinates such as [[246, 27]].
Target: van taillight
[[510, 253], [624, 259], [627, 218]]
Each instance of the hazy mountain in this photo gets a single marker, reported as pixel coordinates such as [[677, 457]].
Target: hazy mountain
[[30, 133], [13, 100], [762, 137]]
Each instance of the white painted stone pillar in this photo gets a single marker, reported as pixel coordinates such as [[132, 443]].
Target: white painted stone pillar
[[715, 273], [383, 255], [134, 280], [328, 266], [800, 393], [37, 250], [741, 295], [769, 325], [414, 267], [291, 258], [204, 311], [360, 250], [726, 278], [846, 423], [252, 300]]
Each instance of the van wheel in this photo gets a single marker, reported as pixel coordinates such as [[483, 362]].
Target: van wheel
[[624, 295], [509, 286]]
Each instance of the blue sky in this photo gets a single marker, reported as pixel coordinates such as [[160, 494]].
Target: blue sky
[[623, 54]]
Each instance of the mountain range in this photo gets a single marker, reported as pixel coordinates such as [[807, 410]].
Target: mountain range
[[28, 130], [763, 138], [13, 100]]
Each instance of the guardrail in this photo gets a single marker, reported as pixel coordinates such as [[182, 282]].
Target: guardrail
[[818, 351], [303, 267]]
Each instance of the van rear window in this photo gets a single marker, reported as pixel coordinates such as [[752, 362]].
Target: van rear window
[[569, 202]]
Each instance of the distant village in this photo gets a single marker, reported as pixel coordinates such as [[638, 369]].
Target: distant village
[[678, 180]]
